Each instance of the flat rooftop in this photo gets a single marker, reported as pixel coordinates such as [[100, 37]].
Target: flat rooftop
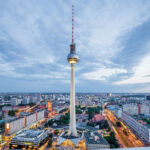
[[29, 138], [28, 135], [95, 138], [14, 119]]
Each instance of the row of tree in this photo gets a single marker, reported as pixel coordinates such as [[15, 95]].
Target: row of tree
[[102, 125], [63, 120], [92, 111], [12, 112], [112, 140], [50, 140]]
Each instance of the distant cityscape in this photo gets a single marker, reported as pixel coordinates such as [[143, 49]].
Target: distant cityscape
[[108, 120]]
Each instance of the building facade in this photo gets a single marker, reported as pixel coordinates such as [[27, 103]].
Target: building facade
[[141, 129], [17, 124], [29, 139], [136, 109]]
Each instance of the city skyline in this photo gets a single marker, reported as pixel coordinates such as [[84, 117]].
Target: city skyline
[[112, 39]]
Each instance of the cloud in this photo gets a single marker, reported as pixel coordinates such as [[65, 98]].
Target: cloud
[[100, 31], [103, 73], [108, 38], [141, 73], [111, 40]]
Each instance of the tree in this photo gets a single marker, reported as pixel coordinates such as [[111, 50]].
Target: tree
[[104, 125], [31, 104], [56, 132], [91, 113], [64, 119], [50, 143], [50, 122], [112, 140], [112, 134], [7, 98], [118, 124], [83, 120], [83, 108], [63, 110], [11, 113], [93, 110], [78, 111], [2, 125], [50, 135], [91, 124], [125, 132]]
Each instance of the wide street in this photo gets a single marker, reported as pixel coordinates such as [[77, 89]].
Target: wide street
[[123, 134]]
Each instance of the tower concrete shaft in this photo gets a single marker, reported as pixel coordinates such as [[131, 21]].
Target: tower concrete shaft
[[72, 126]]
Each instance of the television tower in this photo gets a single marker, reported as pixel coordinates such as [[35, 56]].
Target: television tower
[[72, 59]]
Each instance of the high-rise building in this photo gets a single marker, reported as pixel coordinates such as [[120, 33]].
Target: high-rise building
[[136, 109], [15, 101], [26, 100], [49, 105], [72, 59]]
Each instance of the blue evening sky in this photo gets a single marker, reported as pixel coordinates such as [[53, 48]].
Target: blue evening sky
[[112, 40]]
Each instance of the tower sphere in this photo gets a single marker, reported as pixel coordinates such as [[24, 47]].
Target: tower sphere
[[72, 58]]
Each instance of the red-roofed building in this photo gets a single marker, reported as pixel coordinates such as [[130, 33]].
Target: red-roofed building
[[142, 122], [98, 118], [21, 108], [41, 106]]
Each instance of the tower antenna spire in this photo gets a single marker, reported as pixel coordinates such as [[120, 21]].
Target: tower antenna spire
[[72, 23], [72, 59]]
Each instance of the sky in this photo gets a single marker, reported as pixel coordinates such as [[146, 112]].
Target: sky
[[112, 40]]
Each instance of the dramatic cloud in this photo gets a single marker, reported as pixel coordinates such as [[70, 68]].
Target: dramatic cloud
[[112, 40], [141, 73], [103, 73]]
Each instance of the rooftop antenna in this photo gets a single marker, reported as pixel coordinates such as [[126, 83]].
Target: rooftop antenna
[[72, 23]]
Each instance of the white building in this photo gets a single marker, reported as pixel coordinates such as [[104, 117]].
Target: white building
[[14, 125], [136, 109], [141, 129], [118, 112], [28, 139], [40, 115], [14, 102], [30, 119], [17, 124], [145, 109], [130, 108], [26, 100]]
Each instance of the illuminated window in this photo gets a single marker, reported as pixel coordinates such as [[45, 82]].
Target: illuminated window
[[7, 125]]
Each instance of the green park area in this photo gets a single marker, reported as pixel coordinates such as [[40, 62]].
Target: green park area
[[112, 140], [146, 120], [91, 111]]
